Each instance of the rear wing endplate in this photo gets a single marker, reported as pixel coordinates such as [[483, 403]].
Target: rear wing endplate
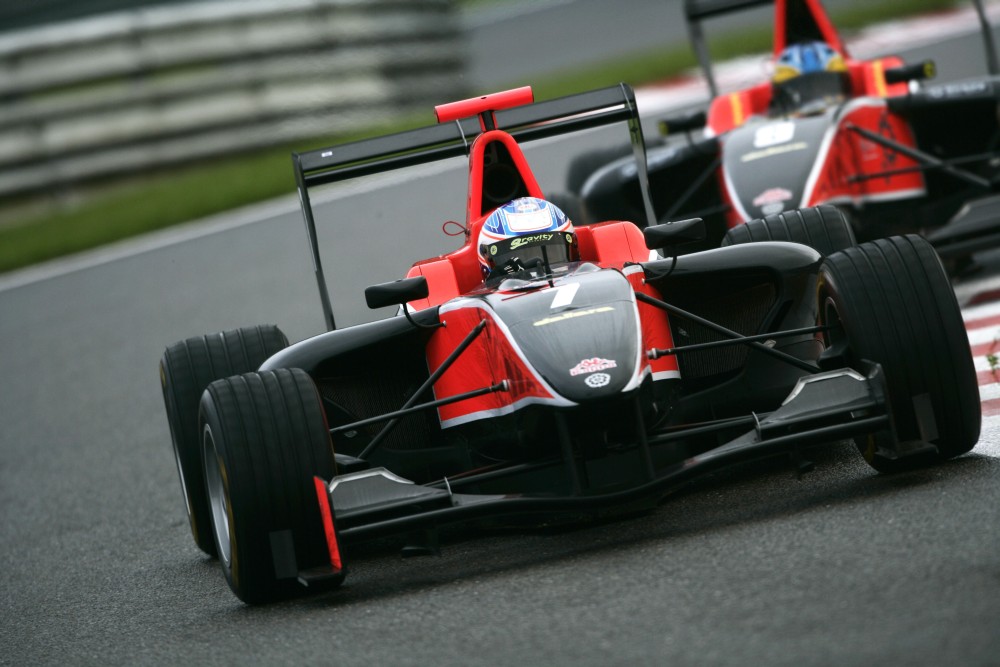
[[454, 138], [696, 11]]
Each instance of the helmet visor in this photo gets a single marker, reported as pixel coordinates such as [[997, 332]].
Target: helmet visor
[[531, 251], [816, 89]]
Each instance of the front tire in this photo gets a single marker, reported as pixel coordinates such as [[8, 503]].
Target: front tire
[[825, 229], [264, 438], [186, 369], [890, 302]]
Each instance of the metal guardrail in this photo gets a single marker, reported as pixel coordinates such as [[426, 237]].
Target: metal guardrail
[[21, 15], [140, 89]]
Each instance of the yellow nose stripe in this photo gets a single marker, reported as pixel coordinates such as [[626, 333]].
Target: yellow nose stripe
[[736, 104]]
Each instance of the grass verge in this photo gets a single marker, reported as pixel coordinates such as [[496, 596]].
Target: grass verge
[[188, 193]]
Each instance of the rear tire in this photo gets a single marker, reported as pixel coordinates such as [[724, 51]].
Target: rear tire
[[825, 229], [896, 307], [264, 438], [186, 369]]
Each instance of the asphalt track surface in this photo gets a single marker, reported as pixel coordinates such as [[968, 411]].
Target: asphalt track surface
[[752, 566]]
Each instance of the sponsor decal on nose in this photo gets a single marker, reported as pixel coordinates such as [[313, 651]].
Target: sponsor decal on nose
[[597, 380], [592, 365]]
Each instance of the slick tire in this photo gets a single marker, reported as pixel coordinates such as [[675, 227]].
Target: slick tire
[[889, 301], [264, 438], [186, 369], [825, 229]]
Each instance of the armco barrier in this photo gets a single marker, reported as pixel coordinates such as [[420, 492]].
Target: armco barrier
[[140, 89]]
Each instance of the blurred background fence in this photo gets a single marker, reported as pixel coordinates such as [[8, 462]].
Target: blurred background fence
[[132, 90]]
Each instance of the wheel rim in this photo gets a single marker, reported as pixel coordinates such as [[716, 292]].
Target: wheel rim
[[217, 497], [835, 338]]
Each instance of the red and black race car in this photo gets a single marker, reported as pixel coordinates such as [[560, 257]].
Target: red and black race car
[[894, 154], [550, 372]]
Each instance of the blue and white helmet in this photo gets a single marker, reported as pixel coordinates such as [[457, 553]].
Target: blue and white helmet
[[807, 58], [524, 232], [809, 76]]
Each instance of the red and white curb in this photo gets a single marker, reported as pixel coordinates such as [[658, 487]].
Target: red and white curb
[[982, 322]]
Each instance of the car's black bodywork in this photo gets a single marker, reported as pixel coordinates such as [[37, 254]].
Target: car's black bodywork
[[571, 392]]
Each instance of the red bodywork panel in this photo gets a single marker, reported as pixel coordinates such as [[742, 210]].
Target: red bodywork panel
[[731, 110], [609, 244], [851, 168], [851, 157], [490, 359], [474, 207], [326, 515], [475, 106], [493, 356], [458, 272], [655, 328], [814, 20]]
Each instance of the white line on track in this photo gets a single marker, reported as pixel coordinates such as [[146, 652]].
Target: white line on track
[[204, 227], [509, 10]]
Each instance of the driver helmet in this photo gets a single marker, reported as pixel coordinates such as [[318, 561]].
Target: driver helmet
[[809, 72], [525, 233]]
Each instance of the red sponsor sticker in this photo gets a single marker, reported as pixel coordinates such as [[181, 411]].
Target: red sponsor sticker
[[592, 365], [772, 196]]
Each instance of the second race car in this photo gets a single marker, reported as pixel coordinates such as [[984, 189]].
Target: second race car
[[893, 153]]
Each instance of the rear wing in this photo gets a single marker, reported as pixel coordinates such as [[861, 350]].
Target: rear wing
[[453, 137]]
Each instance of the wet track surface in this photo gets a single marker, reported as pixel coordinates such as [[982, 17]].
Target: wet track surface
[[755, 565]]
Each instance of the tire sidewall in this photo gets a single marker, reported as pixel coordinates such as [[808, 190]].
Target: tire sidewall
[[898, 309]]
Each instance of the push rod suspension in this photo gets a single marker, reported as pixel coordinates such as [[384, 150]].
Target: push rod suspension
[[656, 353], [728, 333], [858, 178], [921, 156], [503, 385], [686, 431], [380, 436]]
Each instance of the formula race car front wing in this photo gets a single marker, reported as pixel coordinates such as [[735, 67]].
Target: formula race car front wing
[[822, 408]]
